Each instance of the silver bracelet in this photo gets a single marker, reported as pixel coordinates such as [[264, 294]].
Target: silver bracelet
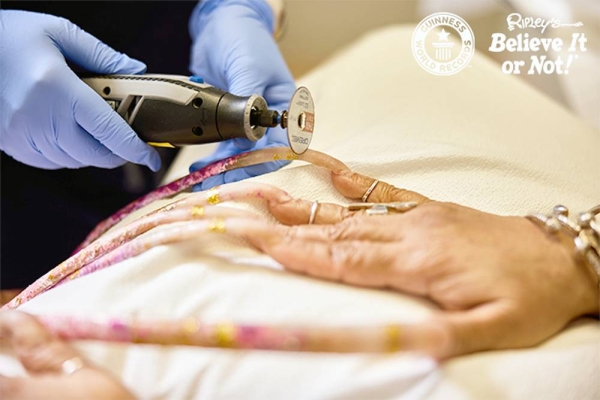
[[585, 231]]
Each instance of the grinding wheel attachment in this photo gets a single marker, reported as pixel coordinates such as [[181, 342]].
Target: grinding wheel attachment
[[300, 120]]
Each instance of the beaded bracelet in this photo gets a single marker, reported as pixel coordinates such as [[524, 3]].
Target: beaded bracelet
[[585, 232]]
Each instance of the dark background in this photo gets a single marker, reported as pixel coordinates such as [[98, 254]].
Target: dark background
[[46, 214]]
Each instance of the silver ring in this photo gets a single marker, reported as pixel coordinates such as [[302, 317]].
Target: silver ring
[[313, 212], [394, 206], [72, 365], [378, 209], [369, 191]]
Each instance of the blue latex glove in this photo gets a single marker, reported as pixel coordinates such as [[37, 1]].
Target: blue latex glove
[[234, 50], [49, 118]]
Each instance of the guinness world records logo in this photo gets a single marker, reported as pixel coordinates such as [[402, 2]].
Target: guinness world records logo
[[435, 45]]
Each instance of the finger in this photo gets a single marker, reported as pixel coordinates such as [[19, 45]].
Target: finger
[[87, 150], [88, 383], [18, 330], [298, 211], [355, 262], [353, 227], [93, 55], [96, 117], [242, 79], [489, 326], [343, 223], [355, 185], [243, 143], [36, 388], [38, 350], [43, 355], [242, 82], [198, 165], [209, 183], [36, 159], [275, 136], [444, 335], [48, 146], [279, 94]]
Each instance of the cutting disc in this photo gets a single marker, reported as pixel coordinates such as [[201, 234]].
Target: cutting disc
[[301, 120]]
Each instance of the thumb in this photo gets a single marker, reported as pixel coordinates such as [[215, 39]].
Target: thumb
[[245, 83], [91, 54], [489, 326]]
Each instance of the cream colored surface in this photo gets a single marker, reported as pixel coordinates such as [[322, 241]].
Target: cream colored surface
[[277, 7], [316, 29], [478, 138]]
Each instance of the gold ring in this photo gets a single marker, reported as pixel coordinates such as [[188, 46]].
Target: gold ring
[[369, 190]]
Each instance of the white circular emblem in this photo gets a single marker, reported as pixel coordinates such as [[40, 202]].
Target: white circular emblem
[[443, 43]]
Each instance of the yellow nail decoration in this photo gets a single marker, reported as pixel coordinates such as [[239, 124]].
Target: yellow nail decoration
[[225, 335], [197, 211], [74, 274], [392, 333], [212, 197], [291, 156], [276, 157], [217, 225]]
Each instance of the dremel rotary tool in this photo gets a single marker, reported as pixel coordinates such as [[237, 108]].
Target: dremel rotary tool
[[173, 111]]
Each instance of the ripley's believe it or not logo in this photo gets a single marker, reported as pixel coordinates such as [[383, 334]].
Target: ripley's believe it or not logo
[[435, 45]]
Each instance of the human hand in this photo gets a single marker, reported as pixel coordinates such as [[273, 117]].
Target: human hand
[[234, 50], [500, 282], [49, 118], [43, 357]]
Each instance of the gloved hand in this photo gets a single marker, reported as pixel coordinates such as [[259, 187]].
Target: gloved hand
[[49, 118], [234, 50]]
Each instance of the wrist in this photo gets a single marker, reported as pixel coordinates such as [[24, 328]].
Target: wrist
[[259, 10], [593, 306], [589, 296], [580, 243]]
